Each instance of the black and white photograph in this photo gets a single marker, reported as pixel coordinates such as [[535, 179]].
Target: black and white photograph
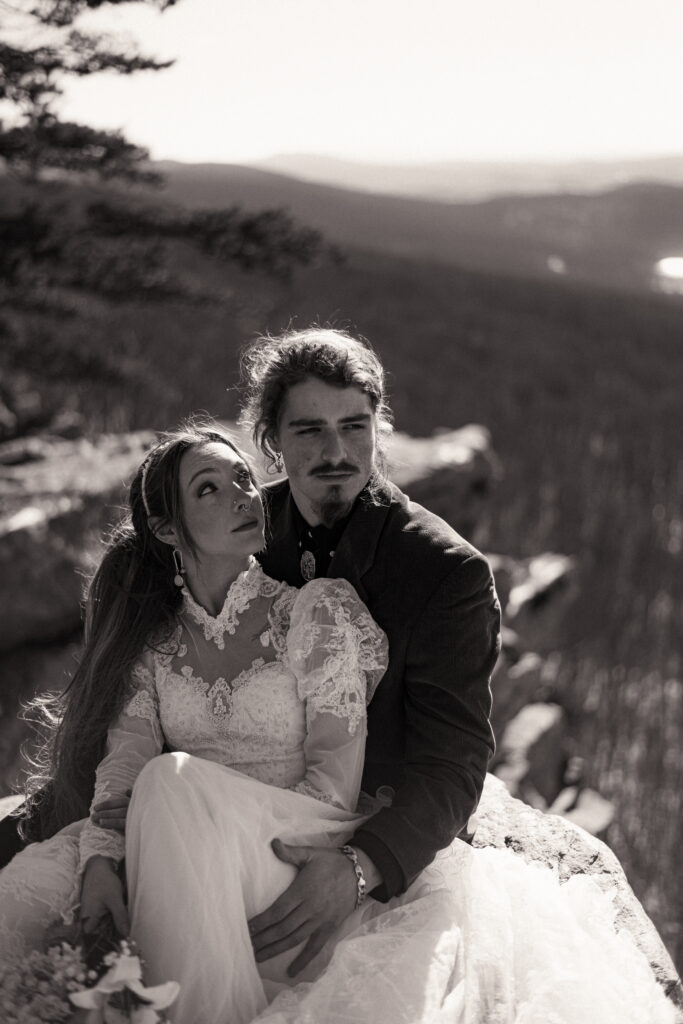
[[341, 512]]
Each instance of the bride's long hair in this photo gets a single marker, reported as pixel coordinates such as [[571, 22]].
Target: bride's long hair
[[132, 601]]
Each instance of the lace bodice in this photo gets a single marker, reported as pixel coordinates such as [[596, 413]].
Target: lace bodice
[[274, 686]]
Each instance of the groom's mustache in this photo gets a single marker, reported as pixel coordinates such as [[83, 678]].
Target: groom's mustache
[[329, 467]]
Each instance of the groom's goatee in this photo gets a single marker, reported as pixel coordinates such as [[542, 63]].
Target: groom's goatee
[[332, 510]]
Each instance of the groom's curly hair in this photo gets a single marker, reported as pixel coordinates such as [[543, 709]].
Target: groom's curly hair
[[270, 366]]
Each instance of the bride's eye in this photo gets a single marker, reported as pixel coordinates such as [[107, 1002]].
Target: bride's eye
[[205, 488]]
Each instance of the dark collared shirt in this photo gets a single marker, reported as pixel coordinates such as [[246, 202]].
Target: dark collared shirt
[[320, 541]]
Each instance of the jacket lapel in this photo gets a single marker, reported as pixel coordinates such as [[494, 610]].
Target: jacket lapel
[[355, 552]]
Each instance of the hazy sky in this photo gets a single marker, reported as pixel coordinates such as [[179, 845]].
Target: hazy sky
[[398, 80]]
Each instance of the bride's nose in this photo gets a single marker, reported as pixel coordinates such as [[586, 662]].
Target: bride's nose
[[241, 501]]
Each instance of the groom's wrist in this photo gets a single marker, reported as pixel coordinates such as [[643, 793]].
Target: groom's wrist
[[392, 879], [371, 873]]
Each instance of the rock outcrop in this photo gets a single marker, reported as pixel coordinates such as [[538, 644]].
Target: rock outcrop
[[453, 473], [503, 821], [58, 499]]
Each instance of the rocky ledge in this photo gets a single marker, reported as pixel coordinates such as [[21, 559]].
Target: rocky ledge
[[506, 822]]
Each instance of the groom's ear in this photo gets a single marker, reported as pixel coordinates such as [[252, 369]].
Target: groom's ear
[[163, 530]]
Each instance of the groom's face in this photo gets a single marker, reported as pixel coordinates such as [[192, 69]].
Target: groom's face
[[327, 437]]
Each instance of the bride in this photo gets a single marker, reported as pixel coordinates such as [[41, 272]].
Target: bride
[[259, 692]]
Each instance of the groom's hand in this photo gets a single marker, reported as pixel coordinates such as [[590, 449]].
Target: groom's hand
[[321, 896], [112, 813]]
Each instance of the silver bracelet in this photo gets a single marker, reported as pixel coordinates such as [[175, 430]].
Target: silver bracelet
[[361, 886]]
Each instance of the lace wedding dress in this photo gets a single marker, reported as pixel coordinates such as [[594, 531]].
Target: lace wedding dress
[[264, 708]]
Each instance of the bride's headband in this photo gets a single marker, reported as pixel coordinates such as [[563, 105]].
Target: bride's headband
[[146, 465], [143, 483]]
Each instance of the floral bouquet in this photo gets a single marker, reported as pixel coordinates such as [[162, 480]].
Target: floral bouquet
[[58, 987]]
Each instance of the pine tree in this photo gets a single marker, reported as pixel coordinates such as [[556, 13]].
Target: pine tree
[[41, 45], [74, 249]]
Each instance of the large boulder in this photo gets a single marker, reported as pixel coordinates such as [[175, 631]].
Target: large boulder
[[584, 807], [530, 758], [517, 681], [541, 592], [58, 499], [452, 473], [505, 822]]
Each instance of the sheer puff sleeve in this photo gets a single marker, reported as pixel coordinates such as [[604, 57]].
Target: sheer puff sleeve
[[133, 740], [338, 654]]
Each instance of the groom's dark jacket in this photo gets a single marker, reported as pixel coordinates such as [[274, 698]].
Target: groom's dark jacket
[[429, 735]]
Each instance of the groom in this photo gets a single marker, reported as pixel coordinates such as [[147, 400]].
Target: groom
[[315, 402]]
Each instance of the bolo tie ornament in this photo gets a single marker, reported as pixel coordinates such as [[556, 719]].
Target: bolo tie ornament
[[307, 565]]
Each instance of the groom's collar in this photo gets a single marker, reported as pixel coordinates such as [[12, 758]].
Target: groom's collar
[[355, 552]]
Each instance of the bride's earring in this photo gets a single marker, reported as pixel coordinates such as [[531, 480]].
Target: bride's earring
[[278, 462], [179, 568]]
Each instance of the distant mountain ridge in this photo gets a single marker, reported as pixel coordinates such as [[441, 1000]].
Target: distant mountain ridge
[[611, 239], [472, 180]]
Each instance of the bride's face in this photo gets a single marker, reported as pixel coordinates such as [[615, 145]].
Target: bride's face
[[221, 505]]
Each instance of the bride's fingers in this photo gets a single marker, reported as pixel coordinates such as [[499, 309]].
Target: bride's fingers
[[89, 923], [117, 909]]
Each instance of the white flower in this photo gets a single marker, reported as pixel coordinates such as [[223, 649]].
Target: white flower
[[125, 974]]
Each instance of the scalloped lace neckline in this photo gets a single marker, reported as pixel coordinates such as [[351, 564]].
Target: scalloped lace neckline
[[243, 589]]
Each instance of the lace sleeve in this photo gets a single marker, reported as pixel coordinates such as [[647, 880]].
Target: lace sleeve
[[336, 649], [133, 739], [338, 655]]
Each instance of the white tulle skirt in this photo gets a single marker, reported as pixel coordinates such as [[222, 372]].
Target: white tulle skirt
[[481, 937]]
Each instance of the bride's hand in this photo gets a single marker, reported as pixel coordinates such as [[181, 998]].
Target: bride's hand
[[321, 896], [101, 894]]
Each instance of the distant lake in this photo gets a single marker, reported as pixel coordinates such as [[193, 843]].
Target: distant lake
[[668, 275]]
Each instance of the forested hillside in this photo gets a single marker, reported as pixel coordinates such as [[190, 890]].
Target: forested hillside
[[612, 238]]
